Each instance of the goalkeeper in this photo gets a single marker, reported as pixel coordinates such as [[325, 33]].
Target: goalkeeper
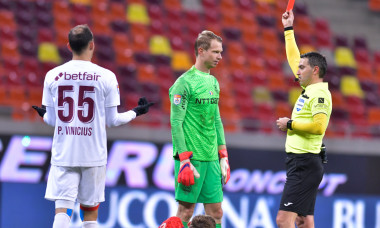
[[198, 135]]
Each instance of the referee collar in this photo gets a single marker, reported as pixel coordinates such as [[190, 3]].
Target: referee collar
[[318, 85]]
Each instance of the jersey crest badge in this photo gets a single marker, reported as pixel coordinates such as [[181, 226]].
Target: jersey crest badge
[[211, 93], [177, 99], [118, 90]]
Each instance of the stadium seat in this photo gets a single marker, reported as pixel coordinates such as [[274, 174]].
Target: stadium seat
[[338, 129], [350, 86], [258, 78], [160, 45], [304, 24], [339, 115], [7, 20], [157, 27], [34, 94], [374, 5], [181, 61], [323, 40], [45, 35], [7, 34], [357, 112], [294, 93], [27, 48], [307, 48], [338, 99], [261, 95], [344, 57], [9, 50], [146, 73], [341, 41], [81, 2], [117, 11], [143, 58], [246, 109], [229, 18], [300, 8], [360, 43], [322, 26], [362, 56], [80, 14], [172, 4], [282, 109], [137, 13], [374, 115], [101, 26], [3, 95], [371, 99]]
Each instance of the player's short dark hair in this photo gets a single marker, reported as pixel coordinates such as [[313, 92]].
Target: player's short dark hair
[[316, 59], [204, 40], [79, 38], [202, 221]]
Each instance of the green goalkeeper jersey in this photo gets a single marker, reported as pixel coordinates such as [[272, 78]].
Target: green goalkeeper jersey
[[194, 116]]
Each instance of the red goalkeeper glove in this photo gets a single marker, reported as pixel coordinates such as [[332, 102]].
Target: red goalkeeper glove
[[224, 165], [187, 171]]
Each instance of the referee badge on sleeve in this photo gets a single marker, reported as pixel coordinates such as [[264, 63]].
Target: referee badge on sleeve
[[321, 100], [177, 99]]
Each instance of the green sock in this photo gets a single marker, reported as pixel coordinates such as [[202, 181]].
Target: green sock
[[218, 225], [185, 224]]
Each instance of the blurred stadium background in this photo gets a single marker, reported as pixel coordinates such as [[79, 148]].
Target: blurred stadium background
[[148, 44]]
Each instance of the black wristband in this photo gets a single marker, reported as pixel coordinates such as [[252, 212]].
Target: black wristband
[[289, 124], [288, 28]]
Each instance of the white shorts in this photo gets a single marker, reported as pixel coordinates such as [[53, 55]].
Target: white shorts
[[83, 184]]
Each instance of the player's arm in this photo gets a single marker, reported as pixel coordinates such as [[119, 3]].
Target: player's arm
[[319, 108], [179, 97], [49, 117], [47, 110], [317, 126], [222, 149], [219, 128], [292, 52], [113, 118], [47, 113]]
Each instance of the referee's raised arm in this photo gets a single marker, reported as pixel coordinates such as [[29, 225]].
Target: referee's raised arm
[[292, 52]]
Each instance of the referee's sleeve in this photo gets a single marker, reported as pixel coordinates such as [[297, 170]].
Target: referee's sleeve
[[292, 53], [317, 126]]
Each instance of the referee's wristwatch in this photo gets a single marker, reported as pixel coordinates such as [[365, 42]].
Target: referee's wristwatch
[[289, 124]]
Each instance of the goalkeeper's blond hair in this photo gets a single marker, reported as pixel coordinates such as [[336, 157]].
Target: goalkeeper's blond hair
[[204, 40]]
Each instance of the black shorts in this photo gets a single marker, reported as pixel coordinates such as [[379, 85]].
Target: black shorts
[[304, 173]]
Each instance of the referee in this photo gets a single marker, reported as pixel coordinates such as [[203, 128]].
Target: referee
[[305, 131]]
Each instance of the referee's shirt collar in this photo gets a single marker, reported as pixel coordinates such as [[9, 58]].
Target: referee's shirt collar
[[318, 85]]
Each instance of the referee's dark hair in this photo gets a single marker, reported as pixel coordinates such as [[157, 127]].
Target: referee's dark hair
[[79, 37], [316, 59]]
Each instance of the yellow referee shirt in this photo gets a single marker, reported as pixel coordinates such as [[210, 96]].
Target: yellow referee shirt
[[316, 99]]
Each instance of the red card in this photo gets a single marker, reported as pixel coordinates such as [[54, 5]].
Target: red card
[[290, 5]]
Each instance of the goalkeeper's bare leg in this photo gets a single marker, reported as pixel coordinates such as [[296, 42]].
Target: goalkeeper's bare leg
[[215, 211], [185, 211]]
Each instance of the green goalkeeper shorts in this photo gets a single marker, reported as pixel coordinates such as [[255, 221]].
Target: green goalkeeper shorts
[[206, 189]]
